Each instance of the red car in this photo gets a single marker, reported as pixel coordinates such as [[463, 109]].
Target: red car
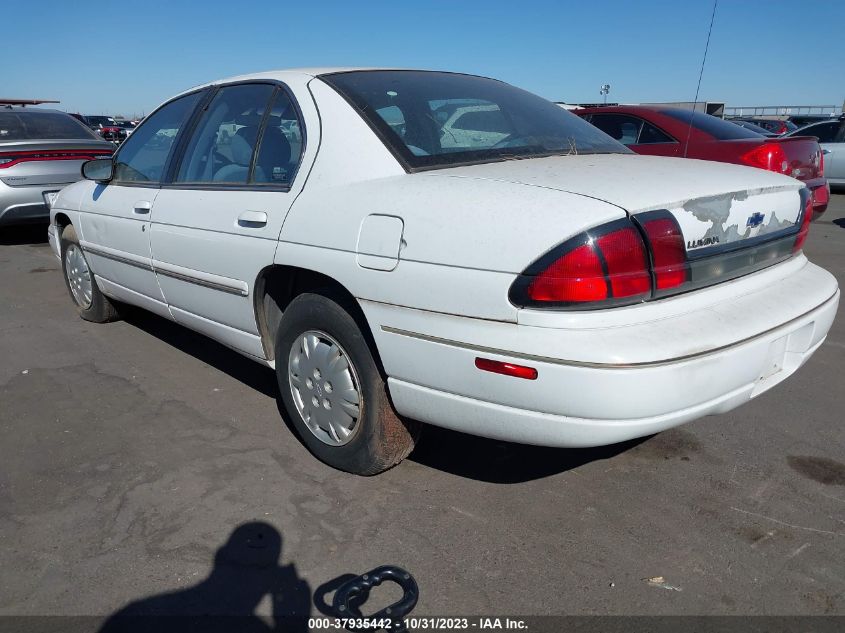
[[688, 134]]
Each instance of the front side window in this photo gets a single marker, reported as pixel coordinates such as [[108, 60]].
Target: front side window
[[434, 119], [144, 155], [222, 146]]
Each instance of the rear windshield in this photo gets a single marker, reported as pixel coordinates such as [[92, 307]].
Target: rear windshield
[[717, 128], [25, 126], [432, 119]]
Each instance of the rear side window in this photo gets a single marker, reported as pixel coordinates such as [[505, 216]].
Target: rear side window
[[281, 144], [144, 155], [25, 126], [621, 127], [650, 134], [718, 128]]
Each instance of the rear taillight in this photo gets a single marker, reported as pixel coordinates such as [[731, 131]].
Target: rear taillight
[[10, 159], [607, 265], [768, 156], [633, 260], [806, 218]]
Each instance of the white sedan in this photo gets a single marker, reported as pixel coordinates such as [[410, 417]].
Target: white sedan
[[529, 279]]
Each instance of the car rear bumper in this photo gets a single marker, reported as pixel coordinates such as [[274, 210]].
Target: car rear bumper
[[820, 190], [53, 240], [589, 399], [24, 205]]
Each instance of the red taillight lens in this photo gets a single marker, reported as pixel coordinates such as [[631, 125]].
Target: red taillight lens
[[578, 276], [768, 156], [627, 262], [611, 265], [668, 253], [805, 224]]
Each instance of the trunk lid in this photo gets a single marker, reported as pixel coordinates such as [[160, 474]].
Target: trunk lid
[[717, 206], [795, 156]]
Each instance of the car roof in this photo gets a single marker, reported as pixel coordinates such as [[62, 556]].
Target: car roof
[[308, 73], [626, 108]]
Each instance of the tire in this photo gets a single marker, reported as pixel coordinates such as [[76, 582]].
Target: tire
[[91, 304], [374, 441]]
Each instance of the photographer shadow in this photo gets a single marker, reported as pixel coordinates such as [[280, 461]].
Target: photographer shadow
[[246, 569]]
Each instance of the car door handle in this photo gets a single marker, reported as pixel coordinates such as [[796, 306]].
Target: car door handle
[[825, 151], [142, 207], [252, 219]]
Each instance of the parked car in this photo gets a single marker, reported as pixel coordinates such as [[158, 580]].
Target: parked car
[[41, 151], [753, 127], [126, 127], [106, 127], [831, 138], [677, 132], [800, 120], [550, 287]]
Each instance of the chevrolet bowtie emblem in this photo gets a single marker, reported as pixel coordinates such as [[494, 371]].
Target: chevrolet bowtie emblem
[[755, 219]]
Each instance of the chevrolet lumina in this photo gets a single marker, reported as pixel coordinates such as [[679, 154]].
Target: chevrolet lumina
[[408, 247]]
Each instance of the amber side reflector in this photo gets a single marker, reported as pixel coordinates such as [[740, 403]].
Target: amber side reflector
[[506, 369]]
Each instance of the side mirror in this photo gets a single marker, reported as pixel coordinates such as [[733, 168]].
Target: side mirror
[[100, 170]]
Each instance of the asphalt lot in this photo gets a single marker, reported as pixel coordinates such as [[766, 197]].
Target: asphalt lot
[[130, 452]]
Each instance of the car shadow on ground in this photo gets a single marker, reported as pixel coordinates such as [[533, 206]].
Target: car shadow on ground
[[500, 462], [442, 449], [245, 573], [840, 222], [252, 374], [32, 234]]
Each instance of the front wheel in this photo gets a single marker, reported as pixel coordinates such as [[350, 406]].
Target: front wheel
[[91, 304], [333, 391]]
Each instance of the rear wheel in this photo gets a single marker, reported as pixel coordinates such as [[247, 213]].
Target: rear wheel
[[91, 304], [333, 391]]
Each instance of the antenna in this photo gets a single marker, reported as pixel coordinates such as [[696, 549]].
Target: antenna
[[700, 74], [605, 88]]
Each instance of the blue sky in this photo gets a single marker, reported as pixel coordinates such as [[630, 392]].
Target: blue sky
[[126, 57]]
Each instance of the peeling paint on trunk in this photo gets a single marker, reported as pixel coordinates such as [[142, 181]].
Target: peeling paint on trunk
[[729, 218]]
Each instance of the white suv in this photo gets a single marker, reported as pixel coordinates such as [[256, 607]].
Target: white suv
[[534, 282]]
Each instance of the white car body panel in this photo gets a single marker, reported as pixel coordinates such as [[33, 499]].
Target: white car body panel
[[431, 256], [109, 220]]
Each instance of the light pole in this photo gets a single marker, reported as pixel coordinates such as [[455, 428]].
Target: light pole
[[605, 88]]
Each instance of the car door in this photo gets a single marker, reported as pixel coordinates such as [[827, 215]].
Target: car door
[[115, 218], [216, 225]]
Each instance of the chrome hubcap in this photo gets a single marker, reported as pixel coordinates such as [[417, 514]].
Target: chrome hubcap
[[78, 276], [325, 387]]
